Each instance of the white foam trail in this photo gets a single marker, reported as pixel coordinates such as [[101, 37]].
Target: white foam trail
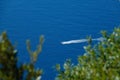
[[81, 41]]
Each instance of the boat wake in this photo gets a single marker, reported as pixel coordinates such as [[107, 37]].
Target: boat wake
[[81, 41]]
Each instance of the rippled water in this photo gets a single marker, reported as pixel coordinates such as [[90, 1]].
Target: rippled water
[[57, 20]]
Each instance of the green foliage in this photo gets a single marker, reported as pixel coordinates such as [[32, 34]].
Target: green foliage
[[34, 54], [100, 62], [8, 62]]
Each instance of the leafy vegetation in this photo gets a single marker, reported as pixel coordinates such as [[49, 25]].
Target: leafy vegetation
[[9, 70], [99, 62]]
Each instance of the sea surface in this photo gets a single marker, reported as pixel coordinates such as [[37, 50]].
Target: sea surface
[[58, 21]]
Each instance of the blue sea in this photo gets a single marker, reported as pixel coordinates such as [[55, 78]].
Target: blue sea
[[58, 21]]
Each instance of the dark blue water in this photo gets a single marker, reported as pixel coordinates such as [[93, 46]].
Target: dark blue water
[[57, 20]]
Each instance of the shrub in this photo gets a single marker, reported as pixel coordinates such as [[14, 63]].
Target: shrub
[[100, 62], [9, 70]]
